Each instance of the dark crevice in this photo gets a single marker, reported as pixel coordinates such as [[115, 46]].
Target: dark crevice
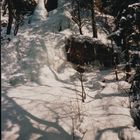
[[51, 5]]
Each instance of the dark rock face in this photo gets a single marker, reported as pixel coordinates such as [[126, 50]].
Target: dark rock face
[[84, 50], [24, 5], [51, 5], [104, 55]]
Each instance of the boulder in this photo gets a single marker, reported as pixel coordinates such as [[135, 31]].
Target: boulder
[[84, 50]]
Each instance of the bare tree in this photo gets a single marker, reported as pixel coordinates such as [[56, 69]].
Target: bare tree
[[77, 5], [76, 14]]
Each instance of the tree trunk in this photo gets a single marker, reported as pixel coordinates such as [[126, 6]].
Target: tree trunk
[[79, 18], [94, 28], [10, 18], [83, 90], [125, 47]]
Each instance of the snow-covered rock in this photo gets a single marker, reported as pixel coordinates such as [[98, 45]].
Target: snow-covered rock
[[40, 12]]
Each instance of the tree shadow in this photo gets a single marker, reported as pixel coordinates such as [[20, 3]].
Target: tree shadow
[[14, 113], [113, 95], [113, 129]]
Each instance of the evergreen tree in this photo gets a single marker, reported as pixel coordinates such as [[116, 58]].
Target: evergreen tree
[[15, 9]]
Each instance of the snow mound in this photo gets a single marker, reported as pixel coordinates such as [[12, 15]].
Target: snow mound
[[38, 51]]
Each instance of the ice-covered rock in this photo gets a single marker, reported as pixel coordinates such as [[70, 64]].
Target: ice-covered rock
[[40, 12]]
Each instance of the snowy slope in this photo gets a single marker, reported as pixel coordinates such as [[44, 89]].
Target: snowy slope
[[43, 99]]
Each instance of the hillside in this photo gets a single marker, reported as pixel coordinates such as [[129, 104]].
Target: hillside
[[41, 90]]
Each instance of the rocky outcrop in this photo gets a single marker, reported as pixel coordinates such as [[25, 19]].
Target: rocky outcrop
[[84, 50]]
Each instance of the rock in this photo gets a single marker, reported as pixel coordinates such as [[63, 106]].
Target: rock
[[85, 50], [18, 79]]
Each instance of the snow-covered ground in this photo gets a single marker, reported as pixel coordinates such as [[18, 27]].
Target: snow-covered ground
[[54, 111], [43, 99]]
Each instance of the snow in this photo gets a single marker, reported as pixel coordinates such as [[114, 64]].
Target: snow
[[43, 105], [40, 12], [44, 98]]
